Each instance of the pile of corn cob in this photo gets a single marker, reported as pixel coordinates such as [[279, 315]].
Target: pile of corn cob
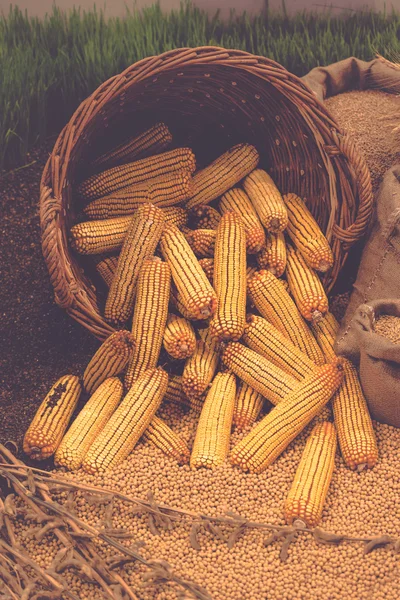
[[231, 292]]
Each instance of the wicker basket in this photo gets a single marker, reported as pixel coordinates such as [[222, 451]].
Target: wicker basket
[[210, 98]]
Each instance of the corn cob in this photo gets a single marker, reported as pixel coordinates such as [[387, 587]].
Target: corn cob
[[177, 304], [202, 242], [272, 256], [96, 237], [262, 337], [149, 317], [273, 302], [117, 178], [250, 272], [211, 443], [88, 424], [222, 174], [258, 372], [200, 368], [269, 438], [109, 360], [325, 332], [162, 437], [141, 240], [306, 235], [192, 284], [248, 405], [230, 279], [128, 423], [238, 201], [176, 395], [50, 422], [106, 268], [353, 422], [305, 501], [207, 264], [267, 200], [179, 337], [306, 287], [204, 217], [162, 192], [149, 142]]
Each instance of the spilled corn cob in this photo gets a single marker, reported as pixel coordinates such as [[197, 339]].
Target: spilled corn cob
[[238, 201], [204, 216], [248, 405], [179, 337], [167, 440], [202, 242], [106, 268], [267, 200], [272, 255], [200, 368]]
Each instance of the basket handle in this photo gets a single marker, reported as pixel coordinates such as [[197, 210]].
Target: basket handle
[[346, 147]]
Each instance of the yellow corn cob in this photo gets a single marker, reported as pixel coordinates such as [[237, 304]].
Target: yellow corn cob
[[96, 237], [149, 142], [167, 440], [200, 368], [230, 279], [88, 424], [179, 337], [274, 303], [267, 200], [149, 317], [207, 264], [128, 422], [258, 372], [353, 422], [272, 256], [248, 405], [238, 201], [141, 240], [269, 438], [176, 395], [211, 443], [117, 178], [50, 422], [162, 192], [202, 242], [177, 303], [306, 235], [305, 501], [222, 174], [306, 287], [192, 284], [106, 268], [262, 337], [325, 332], [204, 217], [109, 360], [250, 272]]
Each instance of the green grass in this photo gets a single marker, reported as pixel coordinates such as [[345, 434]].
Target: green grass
[[48, 66]]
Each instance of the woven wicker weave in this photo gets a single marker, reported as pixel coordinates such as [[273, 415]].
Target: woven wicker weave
[[210, 98]]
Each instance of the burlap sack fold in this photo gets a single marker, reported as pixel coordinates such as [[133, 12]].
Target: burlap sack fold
[[353, 74], [379, 360]]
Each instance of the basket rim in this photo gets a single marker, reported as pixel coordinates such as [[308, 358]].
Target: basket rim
[[72, 290]]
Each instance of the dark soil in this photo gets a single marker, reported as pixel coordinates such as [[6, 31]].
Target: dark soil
[[38, 341]]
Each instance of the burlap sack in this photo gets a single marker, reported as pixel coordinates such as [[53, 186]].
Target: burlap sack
[[379, 272], [379, 360]]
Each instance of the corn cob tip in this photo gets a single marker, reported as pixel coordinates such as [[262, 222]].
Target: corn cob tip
[[316, 316]]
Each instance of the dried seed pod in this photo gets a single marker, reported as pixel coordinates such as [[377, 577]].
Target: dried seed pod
[[211, 443], [117, 178], [238, 201], [167, 440], [200, 368], [306, 498], [230, 279], [149, 317], [306, 287], [204, 217], [306, 235], [128, 422], [272, 256], [192, 284], [50, 422], [248, 405], [109, 360], [222, 174], [88, 424], [179, 337], [267, 200], [202, 242], [269, 438], [140, 243]]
